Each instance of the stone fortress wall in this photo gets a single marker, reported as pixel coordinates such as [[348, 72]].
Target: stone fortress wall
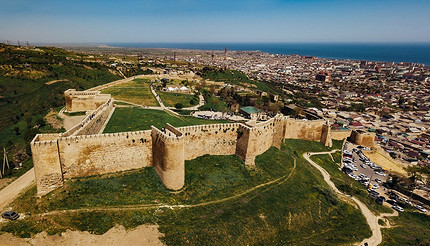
[[84, 152], [77, 101]]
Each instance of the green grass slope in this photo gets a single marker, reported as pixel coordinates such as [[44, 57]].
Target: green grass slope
[[346, 184], [409, 228], [136, 119], [297, 209]]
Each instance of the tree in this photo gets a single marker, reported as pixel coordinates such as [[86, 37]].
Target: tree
[[16, 129], [179, 105]]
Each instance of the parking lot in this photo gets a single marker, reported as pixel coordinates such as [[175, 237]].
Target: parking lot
[[360, 168]]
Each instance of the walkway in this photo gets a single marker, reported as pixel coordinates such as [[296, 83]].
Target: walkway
[[371, 219], [11, 192], [196, 107], [157, 97], [70, 121]]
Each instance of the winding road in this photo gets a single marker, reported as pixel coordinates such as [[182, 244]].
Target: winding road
[[371, 219]]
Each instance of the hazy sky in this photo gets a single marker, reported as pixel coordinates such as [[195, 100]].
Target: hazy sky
[[215, 21]]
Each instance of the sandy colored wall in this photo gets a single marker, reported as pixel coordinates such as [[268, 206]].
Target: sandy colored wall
[[340, 135], [366, 139], [166, 151], [168, 158], [46, 165], [77, 101], [106, 153], [216, 139], [94, 125], [300, 129]]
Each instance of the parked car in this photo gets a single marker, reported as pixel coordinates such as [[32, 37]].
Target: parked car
[[378, 180], [375, 186], [363, 166], [398, 208], [10, 215], [420, 208], [404, 199], [380, 200]]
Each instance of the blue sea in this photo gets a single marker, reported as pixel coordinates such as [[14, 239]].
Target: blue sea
[[390, 52]]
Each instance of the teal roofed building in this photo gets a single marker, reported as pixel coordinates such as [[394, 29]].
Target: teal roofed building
[[253, 113]]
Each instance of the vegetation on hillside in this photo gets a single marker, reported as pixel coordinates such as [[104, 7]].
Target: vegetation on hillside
[[296, 208], [25, 98], [234, 77], [409, 228], [213, 103], [346, 184]]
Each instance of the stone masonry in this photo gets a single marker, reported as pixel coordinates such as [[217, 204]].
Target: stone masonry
[[76, 154]]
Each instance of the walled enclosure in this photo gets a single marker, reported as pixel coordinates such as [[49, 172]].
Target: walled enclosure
[[75, 154]]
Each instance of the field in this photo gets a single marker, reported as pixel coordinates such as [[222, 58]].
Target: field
[[223, 203], [136, 91], [409, 228], [346, 184], [170, 99], [136, 119]]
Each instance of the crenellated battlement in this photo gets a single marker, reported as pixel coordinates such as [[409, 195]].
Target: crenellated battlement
[[82, 151]]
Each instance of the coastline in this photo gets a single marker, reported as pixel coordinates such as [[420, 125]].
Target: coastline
[[377, 52]]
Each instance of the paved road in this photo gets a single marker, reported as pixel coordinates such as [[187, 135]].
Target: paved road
[[11, 192], [371, 219]]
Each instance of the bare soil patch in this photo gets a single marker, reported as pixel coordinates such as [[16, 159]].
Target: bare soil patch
[[142, 235], [53, 119], [386, 163]]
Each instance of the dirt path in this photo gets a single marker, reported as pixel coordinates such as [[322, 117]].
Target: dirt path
[[11, 192], [55, 81], [371, 219]]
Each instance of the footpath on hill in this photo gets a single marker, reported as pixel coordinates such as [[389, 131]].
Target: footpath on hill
[[11, 192], [371, 219]]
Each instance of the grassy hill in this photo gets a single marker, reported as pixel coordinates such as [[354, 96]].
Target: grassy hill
[[234, 77], [283, 201], [25, 98]]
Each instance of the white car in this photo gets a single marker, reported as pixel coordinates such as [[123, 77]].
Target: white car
[[375, 186], [398, 208], [405, 200], [421, 208], [363, 166]]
